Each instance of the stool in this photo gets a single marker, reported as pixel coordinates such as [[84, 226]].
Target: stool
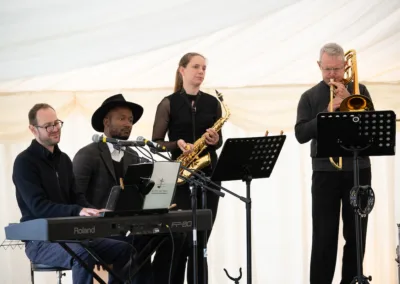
[[36, 267]]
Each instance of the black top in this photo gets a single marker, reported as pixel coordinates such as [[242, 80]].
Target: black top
[[312, 102], [45, 184], [119, 169], [183, 120]]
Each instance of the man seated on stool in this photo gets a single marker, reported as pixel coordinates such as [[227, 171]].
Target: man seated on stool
[[45, 188], [99, 166]]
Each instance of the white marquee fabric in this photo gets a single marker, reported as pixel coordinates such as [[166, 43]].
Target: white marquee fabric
[[261, 55]]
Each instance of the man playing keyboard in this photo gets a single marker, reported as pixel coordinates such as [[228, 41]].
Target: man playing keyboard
[[45, 188]]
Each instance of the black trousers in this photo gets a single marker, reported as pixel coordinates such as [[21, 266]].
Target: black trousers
[[183, 201], [330, 192]]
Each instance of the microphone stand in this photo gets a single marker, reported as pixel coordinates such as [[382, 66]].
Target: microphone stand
[[205, 235], [193, 185]]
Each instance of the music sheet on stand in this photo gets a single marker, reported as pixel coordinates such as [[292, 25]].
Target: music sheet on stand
[[165, 175]]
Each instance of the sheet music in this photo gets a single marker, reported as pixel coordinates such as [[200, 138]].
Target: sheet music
[[165, 175]]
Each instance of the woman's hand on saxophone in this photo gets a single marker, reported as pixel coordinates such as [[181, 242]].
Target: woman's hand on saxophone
[[186, 148], [211, 136]]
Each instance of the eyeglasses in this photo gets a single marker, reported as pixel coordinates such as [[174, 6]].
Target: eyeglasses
[[58, 124], [331, 69]]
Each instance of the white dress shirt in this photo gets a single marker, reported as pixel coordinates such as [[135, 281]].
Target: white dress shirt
[[116, 155]]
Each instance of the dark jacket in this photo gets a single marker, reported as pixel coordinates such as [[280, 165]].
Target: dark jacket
[[45, 184], [312, 102], [94, 171]]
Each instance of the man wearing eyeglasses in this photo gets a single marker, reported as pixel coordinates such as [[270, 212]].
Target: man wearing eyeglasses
[[330, 187], [45, 188]]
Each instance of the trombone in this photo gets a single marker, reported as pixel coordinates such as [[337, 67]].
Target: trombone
[[354, 102]]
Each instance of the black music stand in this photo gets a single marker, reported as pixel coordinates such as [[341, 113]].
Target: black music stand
[[129, 201], [355, 134], [247, 159]]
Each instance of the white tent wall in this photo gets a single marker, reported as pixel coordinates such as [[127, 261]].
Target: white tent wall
[[261, 55], [281, 204]]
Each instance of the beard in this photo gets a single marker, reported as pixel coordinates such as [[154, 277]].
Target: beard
[[122, 134], [49, 140]]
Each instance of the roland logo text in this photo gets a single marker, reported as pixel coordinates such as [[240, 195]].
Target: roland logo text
[[83, 230]]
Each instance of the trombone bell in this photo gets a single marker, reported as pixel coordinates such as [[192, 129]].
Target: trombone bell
[[356, 103]]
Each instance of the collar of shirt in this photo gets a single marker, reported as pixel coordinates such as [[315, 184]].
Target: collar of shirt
[[43, 152], [116, 155]]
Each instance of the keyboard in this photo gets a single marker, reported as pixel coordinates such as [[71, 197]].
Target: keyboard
[[77, 228]]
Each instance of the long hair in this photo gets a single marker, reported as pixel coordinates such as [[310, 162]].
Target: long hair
[[183, 63]]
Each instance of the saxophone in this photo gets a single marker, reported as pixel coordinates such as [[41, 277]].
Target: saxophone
[[192, 160]]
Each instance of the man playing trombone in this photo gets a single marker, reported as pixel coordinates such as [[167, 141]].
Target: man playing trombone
[[331, 183]]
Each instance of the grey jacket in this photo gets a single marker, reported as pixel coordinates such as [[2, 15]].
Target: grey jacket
[[94, 171]]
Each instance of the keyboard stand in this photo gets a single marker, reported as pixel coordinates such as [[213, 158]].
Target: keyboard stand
[[64, 245]]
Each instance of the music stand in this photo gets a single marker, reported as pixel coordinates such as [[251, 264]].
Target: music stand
[[355, 134], [129, 200], [247, 159]]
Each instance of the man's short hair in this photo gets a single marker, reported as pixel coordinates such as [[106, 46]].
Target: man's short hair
[[332, 49], [32, 115]]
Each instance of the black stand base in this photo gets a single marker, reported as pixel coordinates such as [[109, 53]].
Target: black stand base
[[248, 179], [360, 278], [236, 280], [247, 159], [365, 133], [362, 199]]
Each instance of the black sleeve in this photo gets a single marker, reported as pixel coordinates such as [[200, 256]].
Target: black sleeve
[[82, 168], [78, 196], [28, 184], [160, 126], [306, 125]]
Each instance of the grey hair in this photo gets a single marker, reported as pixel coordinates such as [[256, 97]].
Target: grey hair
[[332, 49]]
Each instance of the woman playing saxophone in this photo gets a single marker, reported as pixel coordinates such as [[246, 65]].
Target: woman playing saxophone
[[187, 115]]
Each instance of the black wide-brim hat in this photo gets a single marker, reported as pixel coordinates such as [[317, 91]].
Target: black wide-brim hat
[[113, 102]]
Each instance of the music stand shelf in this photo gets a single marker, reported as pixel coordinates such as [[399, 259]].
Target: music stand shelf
[[355, 134], [246, 159]]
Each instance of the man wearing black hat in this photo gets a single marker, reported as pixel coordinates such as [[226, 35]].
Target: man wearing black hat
[[99, 166]]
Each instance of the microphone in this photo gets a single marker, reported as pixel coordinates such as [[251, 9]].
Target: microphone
[[104, 139], [151, 144]]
